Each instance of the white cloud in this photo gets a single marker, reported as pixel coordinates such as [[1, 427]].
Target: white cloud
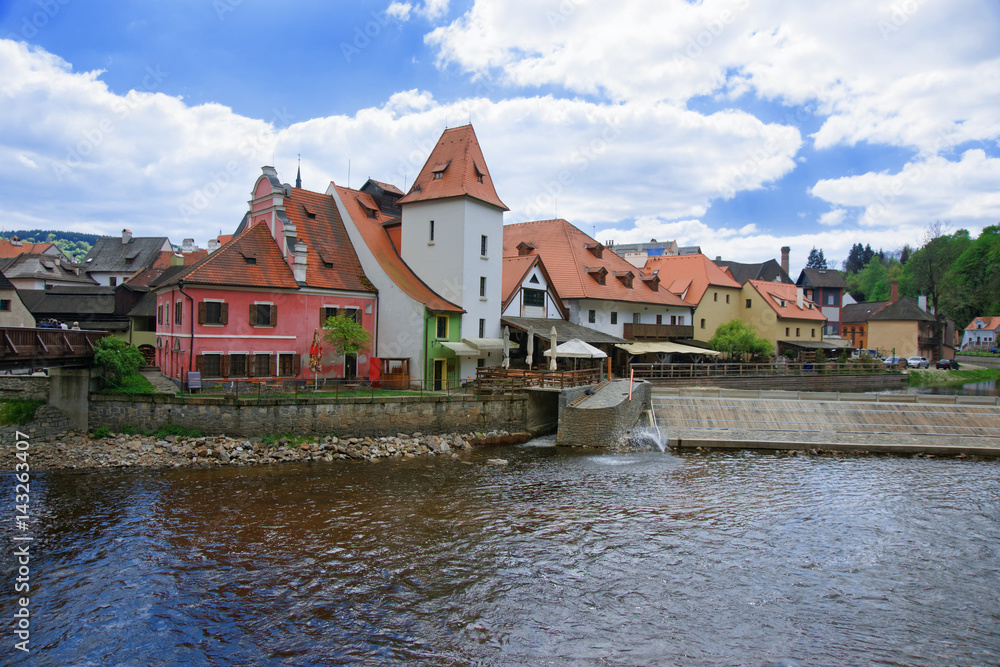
[[833, 217], [400, 11]]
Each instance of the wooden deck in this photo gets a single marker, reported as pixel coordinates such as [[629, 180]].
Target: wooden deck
[[516, 379]]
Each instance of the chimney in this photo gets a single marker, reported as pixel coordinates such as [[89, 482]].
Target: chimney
[[213, 245], [187, 245], [784, 258], [800, 292], [922, 302], [126, 236], [299, 262], [15, 241], [894, 295]]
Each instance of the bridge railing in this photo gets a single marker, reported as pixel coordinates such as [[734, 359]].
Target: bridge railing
[[30, 347], [667, 371]]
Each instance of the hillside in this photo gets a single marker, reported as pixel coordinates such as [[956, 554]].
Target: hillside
[[74, 244]]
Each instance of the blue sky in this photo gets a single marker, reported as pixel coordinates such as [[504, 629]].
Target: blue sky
[[736, 125]]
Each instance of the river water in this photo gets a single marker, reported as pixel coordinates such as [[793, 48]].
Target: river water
[[561, 557]]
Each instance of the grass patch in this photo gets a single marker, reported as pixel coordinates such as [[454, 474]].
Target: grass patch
[[930, 378], [18, 411], [133, 384]]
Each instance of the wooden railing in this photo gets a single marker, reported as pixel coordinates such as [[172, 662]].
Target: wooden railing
[[656, 331], [22, 347], [514, 379], [665, 371]]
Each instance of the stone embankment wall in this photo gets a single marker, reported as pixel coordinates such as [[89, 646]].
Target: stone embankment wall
[[27, 387], [354, 417], [49, 422], [871, 382], [985, 362], [605, 417]]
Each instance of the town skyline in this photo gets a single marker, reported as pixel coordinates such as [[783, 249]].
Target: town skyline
[[739, 127]]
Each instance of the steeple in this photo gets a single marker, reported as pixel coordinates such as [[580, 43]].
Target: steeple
[[298, 174]]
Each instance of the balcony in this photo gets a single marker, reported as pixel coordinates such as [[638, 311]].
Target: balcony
[[656, 331], [928, 341]]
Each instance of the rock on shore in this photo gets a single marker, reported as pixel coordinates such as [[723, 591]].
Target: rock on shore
[[77, 451]]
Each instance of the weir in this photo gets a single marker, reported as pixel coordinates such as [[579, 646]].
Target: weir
[[603, 416]]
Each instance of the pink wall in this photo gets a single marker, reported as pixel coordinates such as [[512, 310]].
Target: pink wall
[[298, 316]]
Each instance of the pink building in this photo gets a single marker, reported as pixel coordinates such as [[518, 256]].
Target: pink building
[[250, 309]]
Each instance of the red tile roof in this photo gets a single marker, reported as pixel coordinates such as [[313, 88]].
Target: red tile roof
[[251, 259], [319, 226], [463, 172], [360, 206], [992, 324], [571, 265], [691, 272], [8, 249], [782, 298]]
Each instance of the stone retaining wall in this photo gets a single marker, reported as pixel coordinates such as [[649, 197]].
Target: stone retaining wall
[[605, 417], [49, 422], [354, 417], [28, 387], [985, 362]]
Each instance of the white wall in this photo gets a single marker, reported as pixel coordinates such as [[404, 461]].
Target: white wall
[[550, 310], [579, 313]]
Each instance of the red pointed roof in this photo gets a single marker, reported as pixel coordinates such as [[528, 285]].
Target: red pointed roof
[[251, 259], [571, 259], [783, 299], [693, 273], [455, 168], [369, 220]]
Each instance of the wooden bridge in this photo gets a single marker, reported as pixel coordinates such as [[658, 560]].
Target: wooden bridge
[[24, 348]]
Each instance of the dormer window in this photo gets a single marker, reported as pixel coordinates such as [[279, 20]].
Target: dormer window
[[625, 277], [652, 282], [596, 249], [439, 169], [524, 249], [599, 274], [479, 174], [250, 260]]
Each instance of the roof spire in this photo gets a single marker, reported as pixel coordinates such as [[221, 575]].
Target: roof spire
[[298, 174]]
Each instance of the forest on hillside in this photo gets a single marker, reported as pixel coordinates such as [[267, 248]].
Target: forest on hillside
[[75, 245]]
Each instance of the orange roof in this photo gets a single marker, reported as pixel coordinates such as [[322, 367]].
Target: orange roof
[[782, 297], [455, 168], [318, 225], [992, 324], [361, 208], [691, 272], [251, 259], [566, 253], [515, 270], [8, 249]]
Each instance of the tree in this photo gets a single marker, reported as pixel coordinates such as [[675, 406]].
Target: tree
[[117, 360], [816, 259], [738, 339], [345, 335], [855, 259]]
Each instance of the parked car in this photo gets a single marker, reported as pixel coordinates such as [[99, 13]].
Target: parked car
[[947, 364], [995, 350], [894, 362], [918, 362]]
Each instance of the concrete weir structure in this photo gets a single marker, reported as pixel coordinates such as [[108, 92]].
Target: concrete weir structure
[[603, 416], [829, 421]]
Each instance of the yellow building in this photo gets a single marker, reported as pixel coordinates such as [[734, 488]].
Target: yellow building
[[696, 279], [780, 313]]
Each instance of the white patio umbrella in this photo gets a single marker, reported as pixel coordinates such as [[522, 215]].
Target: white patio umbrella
[[552, 347], [531, 345], [577, 349], [506, 348]]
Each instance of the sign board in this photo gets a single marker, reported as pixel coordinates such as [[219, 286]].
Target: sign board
[[194, 380]]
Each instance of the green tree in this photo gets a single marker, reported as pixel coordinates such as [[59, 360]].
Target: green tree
[[117, 360], [816, 259], [345, 335], [738, 339]]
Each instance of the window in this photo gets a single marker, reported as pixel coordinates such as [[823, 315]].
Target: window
[[635, 318], [431, 239], [591, 316], [614, 318], [213, 313], [831, 299], [797, 332], [112, 281], [482, 245], [787, 331], [482, 328], [288, 365], [813, 334], [534, 298], [749, 303], [673, 319], [210, 365], [438, 175], [325, 313], [263, 314], [715, 296], [442, 327], [238, 365], [5, 304], [703, 323], [262, 365], [178, 310], [159, 314], [727, 298], [482, 286], [659, 319]]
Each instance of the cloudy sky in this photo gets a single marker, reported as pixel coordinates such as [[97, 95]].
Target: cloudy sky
[[736, 125]]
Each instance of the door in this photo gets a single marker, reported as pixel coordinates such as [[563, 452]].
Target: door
[[440, 374], [350, 367]]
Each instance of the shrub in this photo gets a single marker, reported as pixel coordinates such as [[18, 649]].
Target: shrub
[[116, 360], [18, 411]]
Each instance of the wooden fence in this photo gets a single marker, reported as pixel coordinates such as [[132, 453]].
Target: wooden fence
[[667, 371], [516, 379]]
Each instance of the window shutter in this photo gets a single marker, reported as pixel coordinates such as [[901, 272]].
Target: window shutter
[[159, 314], [250, 365], [322, 317], [296, 364], [274, 315], [224, 316], [273, 367], [199, 363], [253, 314], [202, 312], [225, 365]]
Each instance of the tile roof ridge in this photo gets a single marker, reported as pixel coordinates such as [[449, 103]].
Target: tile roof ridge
[[205, 261]]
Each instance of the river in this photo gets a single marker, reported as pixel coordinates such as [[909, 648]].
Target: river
[[561, 557]]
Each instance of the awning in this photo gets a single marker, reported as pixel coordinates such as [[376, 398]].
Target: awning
[[664, 347], [810, 344], [461, 349], [484, 344]]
